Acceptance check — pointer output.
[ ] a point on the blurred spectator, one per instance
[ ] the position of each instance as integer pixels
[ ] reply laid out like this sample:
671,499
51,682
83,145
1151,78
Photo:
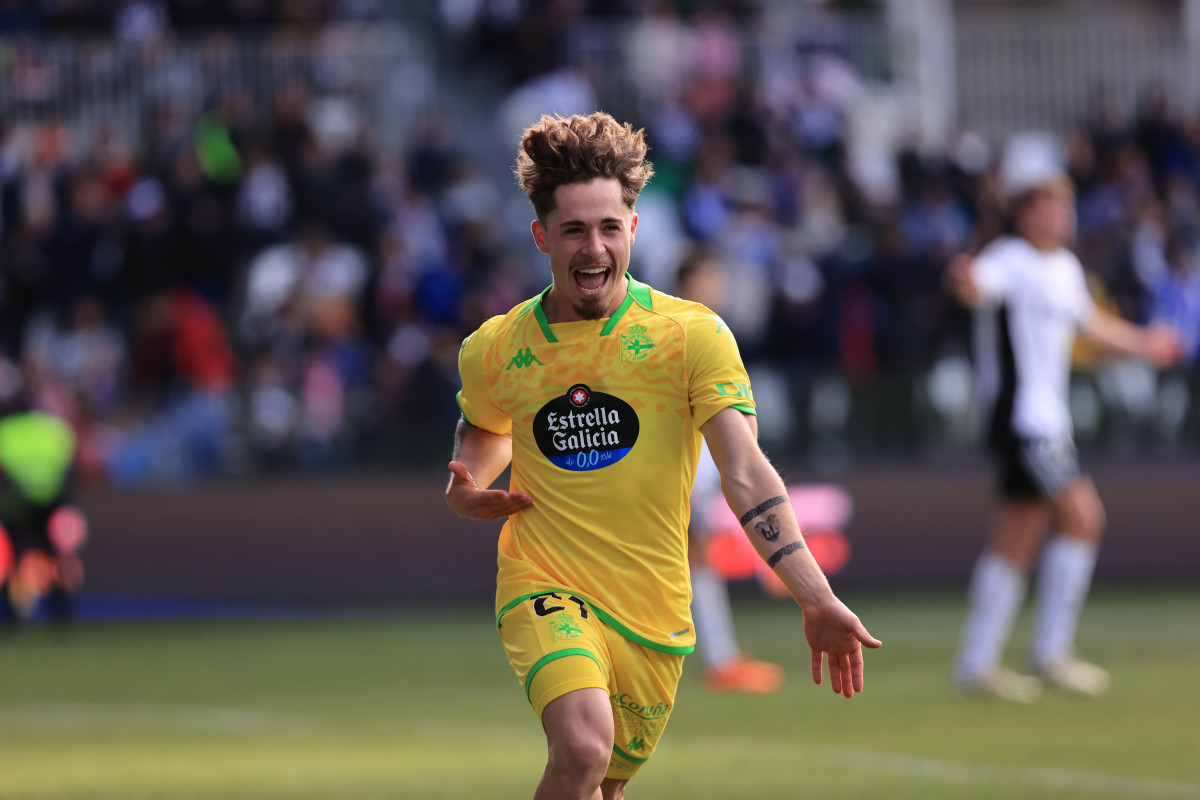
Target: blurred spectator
255,212
41,532
1175,295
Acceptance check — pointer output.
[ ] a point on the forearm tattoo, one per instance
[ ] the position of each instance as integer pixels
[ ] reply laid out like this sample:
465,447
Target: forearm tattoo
760,508
769,529
783,551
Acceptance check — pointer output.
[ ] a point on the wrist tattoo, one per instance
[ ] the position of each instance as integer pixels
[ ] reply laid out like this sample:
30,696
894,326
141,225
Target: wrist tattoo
783,551
761,507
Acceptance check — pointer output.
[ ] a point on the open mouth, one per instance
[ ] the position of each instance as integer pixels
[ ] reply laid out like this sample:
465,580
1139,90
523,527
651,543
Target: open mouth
591,280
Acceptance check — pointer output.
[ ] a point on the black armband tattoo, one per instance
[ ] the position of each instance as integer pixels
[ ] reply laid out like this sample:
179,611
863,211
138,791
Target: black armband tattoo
761,507
783,551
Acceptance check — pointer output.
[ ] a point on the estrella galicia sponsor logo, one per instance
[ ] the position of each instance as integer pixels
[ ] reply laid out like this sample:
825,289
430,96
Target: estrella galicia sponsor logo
524,358
645,712
584,430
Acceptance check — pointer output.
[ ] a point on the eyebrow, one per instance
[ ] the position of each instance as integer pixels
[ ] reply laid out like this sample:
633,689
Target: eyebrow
580,222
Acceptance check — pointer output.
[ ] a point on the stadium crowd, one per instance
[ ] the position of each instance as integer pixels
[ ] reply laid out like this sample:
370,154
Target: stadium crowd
236,289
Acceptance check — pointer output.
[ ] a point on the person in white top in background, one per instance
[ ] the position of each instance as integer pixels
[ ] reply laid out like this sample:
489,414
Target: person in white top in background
727,668
1030,299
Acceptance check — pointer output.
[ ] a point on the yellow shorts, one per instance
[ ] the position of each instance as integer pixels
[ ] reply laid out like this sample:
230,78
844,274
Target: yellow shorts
557,645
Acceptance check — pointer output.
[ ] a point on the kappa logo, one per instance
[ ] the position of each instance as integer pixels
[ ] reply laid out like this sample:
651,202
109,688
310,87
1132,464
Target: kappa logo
524,358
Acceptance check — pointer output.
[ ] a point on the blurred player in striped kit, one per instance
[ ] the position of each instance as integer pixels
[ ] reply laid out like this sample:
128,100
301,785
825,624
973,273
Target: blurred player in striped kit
1030,299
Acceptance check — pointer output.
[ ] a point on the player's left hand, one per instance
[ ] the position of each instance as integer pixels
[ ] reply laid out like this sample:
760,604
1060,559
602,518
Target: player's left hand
833,630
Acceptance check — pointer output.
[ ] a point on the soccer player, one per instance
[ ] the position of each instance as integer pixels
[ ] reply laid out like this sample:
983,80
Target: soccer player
597,391
1030,298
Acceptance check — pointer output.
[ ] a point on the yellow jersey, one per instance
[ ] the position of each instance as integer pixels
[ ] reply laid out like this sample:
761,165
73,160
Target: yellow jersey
605,418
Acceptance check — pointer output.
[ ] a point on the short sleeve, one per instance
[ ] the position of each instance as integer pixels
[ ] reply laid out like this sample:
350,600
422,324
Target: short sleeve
717,378
474,399
991,273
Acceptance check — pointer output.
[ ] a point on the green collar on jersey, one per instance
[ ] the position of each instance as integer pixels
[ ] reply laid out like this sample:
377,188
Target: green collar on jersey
637,291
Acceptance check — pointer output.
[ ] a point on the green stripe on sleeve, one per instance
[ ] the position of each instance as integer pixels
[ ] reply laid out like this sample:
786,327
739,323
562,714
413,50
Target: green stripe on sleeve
746,410
458,400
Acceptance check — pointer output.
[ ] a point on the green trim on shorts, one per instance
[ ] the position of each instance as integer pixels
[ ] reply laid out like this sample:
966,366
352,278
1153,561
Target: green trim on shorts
546,659
628,757
606,618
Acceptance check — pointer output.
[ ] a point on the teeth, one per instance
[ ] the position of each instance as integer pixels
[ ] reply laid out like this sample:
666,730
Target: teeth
594,270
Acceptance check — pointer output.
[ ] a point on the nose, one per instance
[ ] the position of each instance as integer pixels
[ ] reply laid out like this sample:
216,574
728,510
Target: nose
592,244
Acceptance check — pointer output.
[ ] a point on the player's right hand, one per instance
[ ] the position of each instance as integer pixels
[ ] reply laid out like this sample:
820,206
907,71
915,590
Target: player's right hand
1163,345
835,632
467,500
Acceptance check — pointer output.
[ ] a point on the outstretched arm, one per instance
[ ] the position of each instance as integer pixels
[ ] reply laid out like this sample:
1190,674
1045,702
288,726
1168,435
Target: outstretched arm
757,494
1159,344
479,458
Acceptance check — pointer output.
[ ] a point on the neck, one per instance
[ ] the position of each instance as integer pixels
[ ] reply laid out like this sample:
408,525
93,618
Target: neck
558,309
1043,244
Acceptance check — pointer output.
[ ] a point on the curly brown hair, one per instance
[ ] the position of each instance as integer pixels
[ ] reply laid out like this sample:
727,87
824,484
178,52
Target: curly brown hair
563,150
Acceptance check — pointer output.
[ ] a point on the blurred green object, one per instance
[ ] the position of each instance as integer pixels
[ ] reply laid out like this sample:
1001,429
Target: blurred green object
420,707
215,149
36,451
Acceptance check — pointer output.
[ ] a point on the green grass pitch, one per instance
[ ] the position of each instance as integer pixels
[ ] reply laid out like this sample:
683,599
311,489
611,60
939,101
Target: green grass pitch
424,707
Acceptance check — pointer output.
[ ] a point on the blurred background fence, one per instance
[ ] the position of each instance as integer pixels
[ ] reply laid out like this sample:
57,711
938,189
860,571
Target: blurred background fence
384,73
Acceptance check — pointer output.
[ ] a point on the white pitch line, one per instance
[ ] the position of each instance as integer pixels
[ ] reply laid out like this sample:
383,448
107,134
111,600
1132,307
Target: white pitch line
971,772
213,719
936,769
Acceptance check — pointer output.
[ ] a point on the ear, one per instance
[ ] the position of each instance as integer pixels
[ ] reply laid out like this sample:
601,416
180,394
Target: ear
539,235
633,227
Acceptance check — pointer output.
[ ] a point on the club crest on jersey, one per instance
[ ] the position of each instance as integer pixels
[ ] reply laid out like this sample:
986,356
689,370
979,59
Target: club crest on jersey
584,430
635,344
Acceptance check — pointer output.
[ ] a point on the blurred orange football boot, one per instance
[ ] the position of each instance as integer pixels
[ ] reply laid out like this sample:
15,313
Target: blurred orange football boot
745,675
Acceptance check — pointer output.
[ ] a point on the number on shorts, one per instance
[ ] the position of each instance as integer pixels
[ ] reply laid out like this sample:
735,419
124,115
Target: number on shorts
541,609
